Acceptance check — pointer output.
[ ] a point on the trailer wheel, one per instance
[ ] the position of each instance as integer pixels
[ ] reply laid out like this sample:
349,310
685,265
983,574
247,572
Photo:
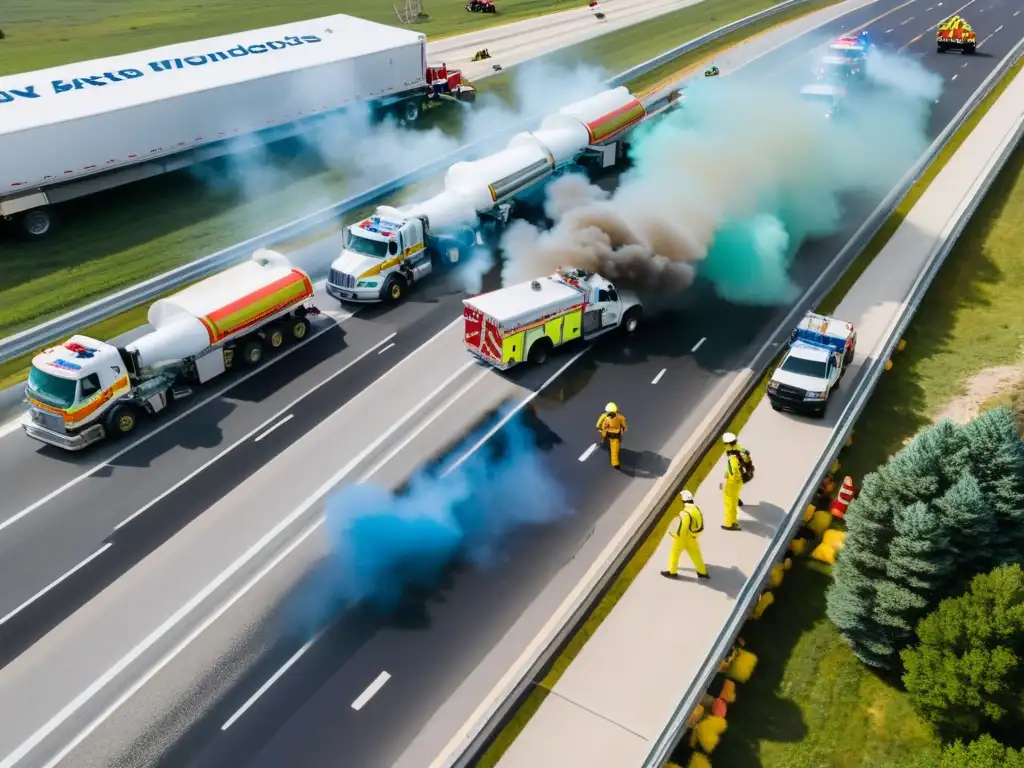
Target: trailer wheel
252,352
940,48
632,320
300,328
970,50
36,224
409,112
121,420
394,289
539,351
275,336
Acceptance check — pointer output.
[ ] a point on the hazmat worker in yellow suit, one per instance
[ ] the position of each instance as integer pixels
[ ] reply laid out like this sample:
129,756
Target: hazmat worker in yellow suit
733,482
612,426
684,531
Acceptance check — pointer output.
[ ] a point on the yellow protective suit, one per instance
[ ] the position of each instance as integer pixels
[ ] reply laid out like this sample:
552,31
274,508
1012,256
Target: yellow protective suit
684,531
612,427
731,489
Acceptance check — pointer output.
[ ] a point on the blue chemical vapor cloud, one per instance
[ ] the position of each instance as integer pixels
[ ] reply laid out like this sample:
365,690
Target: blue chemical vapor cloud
382,544
729,186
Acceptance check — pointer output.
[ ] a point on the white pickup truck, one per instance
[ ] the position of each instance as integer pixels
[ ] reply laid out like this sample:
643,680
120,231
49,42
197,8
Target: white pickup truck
820,350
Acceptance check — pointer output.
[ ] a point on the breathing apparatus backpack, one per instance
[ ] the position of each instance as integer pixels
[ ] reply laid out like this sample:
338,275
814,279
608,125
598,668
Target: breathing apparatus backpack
746,463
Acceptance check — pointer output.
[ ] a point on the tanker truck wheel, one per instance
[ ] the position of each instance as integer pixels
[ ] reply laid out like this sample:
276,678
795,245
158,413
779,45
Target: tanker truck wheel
300,328
539,351
275,336
252,352
409,112
121,420
394,289
36,224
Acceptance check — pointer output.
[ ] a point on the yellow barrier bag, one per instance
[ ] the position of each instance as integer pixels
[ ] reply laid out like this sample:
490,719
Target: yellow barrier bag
697,760
728,693
798,546
777,571
762,605
742,667
709,732
808,513
695,716
820,522
834,538
824,554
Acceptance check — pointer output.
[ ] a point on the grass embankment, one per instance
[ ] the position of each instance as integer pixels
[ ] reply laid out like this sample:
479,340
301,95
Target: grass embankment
48,33
811,704
113,240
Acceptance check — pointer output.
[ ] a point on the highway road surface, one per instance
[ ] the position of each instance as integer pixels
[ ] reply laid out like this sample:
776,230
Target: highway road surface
439,663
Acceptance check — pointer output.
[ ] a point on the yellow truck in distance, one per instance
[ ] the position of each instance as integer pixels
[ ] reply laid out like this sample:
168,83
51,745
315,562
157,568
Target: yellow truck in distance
955,34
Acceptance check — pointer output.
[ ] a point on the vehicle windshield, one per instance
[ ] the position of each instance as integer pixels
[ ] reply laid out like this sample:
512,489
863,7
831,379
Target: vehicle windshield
378,249
52,390
804,367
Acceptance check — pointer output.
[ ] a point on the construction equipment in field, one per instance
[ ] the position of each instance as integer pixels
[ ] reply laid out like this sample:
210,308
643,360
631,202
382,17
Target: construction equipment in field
481,6
411,13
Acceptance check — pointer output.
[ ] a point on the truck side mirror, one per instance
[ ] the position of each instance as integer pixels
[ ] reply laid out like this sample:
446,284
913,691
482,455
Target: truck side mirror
393,248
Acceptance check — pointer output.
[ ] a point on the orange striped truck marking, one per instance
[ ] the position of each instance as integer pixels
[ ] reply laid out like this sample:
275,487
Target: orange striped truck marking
82,411
258,305
615,122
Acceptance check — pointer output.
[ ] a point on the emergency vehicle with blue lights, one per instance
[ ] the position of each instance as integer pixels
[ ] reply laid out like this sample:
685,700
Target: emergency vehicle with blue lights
526,321
386,253
820,350
844,58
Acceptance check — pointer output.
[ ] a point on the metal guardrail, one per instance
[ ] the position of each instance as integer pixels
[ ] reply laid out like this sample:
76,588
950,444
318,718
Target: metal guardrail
59,327
663,746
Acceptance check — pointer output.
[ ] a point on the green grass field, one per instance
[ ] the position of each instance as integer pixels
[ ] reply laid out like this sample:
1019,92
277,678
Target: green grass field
811,704
115,239
47,33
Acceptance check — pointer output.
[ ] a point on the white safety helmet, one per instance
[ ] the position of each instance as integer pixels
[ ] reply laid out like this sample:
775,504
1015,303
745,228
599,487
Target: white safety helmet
686,496
611,408
728,438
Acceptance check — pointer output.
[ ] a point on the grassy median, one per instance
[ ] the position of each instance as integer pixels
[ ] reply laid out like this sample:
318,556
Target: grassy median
812,704
804,645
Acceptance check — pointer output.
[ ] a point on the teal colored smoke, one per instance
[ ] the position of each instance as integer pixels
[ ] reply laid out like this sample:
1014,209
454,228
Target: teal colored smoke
384,545
732,184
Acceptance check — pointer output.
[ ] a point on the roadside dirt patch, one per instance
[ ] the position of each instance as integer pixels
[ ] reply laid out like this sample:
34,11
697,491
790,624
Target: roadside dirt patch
981,388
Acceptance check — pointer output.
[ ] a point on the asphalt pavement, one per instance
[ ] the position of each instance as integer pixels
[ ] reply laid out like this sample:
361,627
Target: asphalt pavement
434,661
443,658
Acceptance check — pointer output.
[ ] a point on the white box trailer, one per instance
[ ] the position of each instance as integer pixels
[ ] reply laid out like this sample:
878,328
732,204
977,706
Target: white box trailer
81,128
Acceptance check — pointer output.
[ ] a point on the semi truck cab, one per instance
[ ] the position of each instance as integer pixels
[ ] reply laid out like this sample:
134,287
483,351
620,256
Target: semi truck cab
73,389
383,255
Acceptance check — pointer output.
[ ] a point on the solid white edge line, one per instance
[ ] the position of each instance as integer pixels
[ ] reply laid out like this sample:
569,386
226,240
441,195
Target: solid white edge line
203,467
55,582
657,378
389,346
699,343
436,415
166,425
178,616
10,427
371,691
511,414
273,679
586,454
281,423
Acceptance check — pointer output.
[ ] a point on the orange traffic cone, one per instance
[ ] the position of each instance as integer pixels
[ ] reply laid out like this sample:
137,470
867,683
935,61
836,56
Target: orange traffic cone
843,499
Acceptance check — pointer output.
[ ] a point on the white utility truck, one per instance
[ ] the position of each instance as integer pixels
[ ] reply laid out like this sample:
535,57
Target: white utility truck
524,322
82,128
85,390
820,350
383,255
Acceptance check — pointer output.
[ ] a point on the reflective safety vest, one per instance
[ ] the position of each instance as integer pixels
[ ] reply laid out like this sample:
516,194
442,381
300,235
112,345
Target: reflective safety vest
694,520
612,423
